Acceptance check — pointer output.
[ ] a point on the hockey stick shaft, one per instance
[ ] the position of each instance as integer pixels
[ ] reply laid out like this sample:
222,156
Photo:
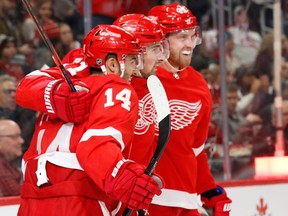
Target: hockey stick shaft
164,131
163,112
48,43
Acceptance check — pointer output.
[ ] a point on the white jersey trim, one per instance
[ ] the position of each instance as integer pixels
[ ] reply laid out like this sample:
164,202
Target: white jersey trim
109,131
38,73
62,159
104,208
198,150
176,198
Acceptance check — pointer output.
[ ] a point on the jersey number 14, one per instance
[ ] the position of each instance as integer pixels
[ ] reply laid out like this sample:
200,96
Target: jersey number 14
123,96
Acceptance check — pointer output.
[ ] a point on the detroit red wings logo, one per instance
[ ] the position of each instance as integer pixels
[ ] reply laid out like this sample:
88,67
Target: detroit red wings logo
182,114
146,115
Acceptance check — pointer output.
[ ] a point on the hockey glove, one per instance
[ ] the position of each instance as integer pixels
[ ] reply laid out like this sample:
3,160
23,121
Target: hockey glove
217,200
67,105
129,184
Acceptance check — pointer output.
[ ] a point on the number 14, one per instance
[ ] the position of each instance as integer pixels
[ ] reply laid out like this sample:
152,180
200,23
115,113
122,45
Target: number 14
123,96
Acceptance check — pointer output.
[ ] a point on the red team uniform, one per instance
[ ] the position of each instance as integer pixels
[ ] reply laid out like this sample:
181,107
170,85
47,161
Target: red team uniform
69,148
184,164
65,142
78,168
190,109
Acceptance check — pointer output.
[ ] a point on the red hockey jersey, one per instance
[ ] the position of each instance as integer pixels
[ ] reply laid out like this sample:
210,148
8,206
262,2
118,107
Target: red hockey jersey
183,165
66,163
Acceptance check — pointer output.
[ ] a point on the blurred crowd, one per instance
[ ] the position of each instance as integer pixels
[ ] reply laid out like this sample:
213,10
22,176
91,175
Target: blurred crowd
249,61
250,92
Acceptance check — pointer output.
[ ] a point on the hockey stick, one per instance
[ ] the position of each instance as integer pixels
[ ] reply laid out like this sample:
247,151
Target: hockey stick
48,43
164,122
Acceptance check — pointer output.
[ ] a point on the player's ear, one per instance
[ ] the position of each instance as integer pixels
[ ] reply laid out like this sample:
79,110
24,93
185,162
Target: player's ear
112,66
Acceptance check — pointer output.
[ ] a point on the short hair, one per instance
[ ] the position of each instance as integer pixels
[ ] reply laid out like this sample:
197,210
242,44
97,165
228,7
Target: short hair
6,77
94,70
232,87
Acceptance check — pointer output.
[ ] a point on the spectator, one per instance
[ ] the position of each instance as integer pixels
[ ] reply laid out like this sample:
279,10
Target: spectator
263,97
239,137
10,149
239,128
212,77
67,41
25,118
248,84
264,62
231,60
264,142
43,12
70,15
10,25
7,56
264,59
42,55
247,42
7,95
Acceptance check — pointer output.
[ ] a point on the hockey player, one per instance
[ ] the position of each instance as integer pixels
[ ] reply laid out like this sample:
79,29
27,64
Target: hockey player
78,168
183,165
151,40
154,50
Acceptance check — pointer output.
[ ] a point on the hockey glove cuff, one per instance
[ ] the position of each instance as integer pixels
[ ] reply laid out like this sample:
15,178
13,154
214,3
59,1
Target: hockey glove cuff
217,200
67,105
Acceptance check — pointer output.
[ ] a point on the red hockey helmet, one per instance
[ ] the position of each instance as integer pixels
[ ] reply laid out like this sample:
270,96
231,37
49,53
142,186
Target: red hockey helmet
104,39
145,28
173,17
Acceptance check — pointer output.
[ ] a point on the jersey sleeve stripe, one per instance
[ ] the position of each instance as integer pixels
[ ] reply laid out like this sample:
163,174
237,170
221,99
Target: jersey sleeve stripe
109,131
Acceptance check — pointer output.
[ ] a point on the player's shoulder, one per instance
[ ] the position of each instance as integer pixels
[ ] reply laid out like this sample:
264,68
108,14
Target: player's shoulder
194,71
46,72
197,76
100,83
104,79
115,81
72,55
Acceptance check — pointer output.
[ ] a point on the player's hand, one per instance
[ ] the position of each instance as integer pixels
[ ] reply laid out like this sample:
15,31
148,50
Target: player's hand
217,200
128,183
70,106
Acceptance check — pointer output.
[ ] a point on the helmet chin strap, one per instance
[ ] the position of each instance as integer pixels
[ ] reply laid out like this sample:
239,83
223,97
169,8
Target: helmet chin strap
122,68
103,68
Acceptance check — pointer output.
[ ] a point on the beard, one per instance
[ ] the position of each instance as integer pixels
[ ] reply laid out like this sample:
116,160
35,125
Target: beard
179,60
185,62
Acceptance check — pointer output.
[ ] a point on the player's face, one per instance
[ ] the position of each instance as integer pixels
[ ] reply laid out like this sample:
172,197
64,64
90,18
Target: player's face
181,44
153,56
131,62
